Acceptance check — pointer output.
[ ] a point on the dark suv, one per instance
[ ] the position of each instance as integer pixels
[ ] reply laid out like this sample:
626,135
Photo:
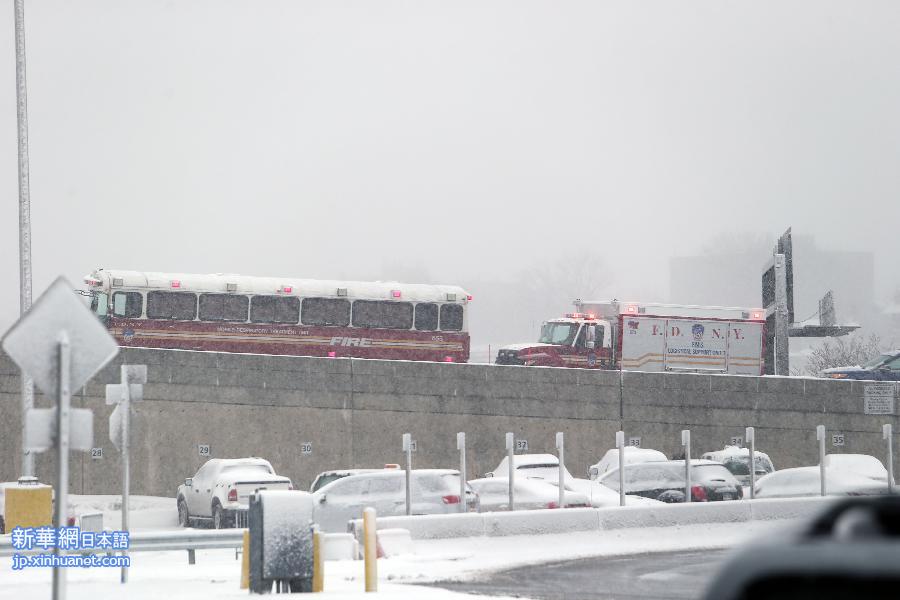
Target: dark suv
885,367
664,481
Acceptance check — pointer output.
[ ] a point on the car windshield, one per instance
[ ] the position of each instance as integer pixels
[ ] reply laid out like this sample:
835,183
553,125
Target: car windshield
261,469
558,333
325,480
878,360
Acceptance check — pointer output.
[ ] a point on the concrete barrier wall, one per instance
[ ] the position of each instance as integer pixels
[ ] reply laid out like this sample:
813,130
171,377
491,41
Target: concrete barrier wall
539,522
354,412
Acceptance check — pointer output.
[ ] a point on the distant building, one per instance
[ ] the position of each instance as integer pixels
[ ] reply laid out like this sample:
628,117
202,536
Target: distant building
733,278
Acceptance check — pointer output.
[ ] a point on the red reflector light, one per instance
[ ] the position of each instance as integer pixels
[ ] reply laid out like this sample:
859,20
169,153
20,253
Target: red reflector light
395,293
451,499
232,495
332,354
552,505
287,289
176,284
71,521
698,494
448,359
392,466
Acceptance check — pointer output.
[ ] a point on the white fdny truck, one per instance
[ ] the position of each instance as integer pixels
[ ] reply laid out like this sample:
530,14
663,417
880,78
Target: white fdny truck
639,336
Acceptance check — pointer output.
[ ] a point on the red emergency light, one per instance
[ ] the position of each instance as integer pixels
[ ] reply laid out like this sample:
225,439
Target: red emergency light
632,308
757,315
287,289
176,283
469,298
395,293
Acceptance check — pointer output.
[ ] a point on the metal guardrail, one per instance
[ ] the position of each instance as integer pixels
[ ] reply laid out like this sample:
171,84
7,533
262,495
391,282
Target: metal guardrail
146,541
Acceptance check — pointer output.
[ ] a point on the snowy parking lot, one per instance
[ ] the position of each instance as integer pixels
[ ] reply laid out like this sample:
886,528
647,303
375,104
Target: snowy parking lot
216,573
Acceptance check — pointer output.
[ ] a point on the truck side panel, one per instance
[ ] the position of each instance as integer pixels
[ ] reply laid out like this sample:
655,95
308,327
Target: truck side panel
643,344
745,348
696,345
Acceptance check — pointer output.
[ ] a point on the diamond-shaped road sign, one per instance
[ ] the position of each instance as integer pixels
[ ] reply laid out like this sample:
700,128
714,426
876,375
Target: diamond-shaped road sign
33,341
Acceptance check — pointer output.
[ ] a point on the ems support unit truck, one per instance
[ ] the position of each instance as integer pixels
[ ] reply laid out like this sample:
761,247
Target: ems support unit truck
635,336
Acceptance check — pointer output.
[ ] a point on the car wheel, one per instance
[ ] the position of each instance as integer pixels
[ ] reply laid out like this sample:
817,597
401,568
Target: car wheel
184,518
220,521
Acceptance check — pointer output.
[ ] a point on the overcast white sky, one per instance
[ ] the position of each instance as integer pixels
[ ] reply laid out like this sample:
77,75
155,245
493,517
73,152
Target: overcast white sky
460,140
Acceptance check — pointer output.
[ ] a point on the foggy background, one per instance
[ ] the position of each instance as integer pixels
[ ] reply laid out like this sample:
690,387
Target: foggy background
532,152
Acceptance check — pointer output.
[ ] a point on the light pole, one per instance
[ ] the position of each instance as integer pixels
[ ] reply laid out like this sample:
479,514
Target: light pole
24,216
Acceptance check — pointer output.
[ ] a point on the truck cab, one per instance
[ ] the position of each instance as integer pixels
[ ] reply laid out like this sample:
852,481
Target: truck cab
576,340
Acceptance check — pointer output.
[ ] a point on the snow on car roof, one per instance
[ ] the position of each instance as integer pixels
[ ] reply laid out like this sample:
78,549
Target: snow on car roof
729,451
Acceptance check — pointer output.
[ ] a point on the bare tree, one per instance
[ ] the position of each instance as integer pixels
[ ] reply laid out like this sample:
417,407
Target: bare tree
842,352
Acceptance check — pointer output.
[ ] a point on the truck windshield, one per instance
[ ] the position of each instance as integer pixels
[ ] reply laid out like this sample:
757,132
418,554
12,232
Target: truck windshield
558,333
877,361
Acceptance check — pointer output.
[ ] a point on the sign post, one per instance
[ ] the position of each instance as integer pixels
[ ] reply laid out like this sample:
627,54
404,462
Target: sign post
620,445
686,442
122,394
820,436
750,436
887,431
560,447
461,446
60,345
407,448
510,456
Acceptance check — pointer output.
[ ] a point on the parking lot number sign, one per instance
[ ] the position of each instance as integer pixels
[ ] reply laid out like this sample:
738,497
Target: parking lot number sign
306,448
412,445
737,441
635,441
96,453
522,445
837,439
203,449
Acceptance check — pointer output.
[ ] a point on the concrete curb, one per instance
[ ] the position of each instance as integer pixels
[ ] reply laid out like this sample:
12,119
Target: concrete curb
537,522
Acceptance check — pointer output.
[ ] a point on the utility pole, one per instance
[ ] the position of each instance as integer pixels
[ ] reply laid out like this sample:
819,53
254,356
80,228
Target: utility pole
24,215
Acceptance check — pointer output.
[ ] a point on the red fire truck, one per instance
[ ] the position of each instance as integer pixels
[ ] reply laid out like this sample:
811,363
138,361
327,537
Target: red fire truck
636,336
269,315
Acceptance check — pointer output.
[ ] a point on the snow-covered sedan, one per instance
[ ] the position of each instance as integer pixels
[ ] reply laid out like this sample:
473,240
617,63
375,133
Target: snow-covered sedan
546,467
530,494
219,493
805,481
433,491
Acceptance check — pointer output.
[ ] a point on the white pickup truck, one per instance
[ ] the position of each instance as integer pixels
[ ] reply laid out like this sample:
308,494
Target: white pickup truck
220,491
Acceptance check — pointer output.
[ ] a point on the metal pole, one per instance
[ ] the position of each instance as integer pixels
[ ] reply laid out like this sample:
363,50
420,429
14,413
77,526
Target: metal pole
24,215
782,326
561,447
620,444
407,444
750,436
510,457
461,446
820,436
62,444
686,442
887,431
126,480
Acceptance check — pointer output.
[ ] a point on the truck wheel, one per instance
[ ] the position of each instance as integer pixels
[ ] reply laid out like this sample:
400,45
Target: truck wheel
184,517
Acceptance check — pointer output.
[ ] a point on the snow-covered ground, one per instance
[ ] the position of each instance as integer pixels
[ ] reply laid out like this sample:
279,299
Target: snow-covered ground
217,572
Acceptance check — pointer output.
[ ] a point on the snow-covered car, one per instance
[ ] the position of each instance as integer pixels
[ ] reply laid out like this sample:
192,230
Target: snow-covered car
805,481
737,460
434,491
885,367
546,467
530,494
542,466
326,477
665,481
861,464
633,455
219,493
